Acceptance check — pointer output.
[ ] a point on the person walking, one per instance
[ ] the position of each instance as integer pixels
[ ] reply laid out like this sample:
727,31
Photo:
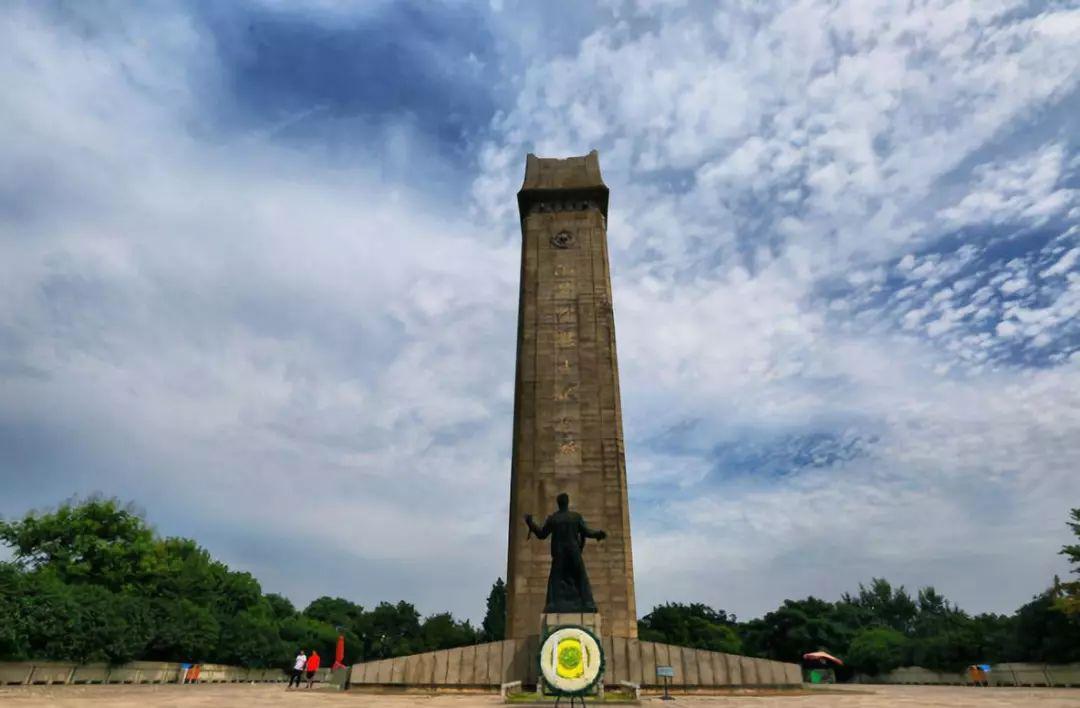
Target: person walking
312,667
298,670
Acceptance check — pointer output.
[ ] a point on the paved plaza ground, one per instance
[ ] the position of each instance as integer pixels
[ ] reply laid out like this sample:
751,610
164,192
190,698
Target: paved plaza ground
253,696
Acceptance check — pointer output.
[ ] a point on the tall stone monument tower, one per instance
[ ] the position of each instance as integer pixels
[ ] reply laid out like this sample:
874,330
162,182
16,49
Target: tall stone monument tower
568,433
568,438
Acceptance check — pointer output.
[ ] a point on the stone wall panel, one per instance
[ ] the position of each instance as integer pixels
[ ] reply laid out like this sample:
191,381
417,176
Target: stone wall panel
397,670
468,666
720,669
704,662
633,654
674,660
439,674
453,667
648,663
688,657
734,668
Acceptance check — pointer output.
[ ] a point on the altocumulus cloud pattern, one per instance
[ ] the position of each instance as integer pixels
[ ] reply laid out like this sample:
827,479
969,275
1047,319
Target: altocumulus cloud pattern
258,273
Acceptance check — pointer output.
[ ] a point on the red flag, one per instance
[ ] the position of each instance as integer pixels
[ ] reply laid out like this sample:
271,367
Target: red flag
339,653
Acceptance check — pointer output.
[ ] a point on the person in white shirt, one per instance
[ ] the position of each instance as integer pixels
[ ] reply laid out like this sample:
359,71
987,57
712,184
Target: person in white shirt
298,670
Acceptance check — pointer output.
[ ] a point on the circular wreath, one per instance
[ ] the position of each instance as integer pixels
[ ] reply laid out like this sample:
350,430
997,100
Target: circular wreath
571,660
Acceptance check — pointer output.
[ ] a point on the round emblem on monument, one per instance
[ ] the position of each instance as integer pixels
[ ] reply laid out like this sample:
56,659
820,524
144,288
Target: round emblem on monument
563,239
571,660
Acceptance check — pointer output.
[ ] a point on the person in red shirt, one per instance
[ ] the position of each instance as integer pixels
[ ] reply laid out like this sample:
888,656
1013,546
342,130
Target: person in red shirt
312,667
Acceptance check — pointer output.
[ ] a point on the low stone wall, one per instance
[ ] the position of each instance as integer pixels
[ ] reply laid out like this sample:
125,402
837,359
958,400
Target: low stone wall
1007,674
1016,674
627,660
477,665
916,675
53,672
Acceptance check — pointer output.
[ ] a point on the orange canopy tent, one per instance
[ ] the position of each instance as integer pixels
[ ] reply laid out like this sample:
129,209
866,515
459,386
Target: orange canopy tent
821,656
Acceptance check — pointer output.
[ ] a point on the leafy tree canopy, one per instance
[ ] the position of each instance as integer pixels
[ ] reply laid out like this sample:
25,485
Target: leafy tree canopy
878,650
886,606
801,626
693,625
1069,598
494,625
92,581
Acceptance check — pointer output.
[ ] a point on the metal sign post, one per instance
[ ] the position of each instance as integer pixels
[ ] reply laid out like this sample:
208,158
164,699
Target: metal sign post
667,673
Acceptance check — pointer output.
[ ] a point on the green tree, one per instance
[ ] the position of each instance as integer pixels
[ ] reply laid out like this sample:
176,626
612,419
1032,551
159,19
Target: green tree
798,627
13,639
693,625
302,632
442,631
993,636
98,541
335,611
943,635
178,568
392,630
250,638
885,606
98,584
877,650
494,624
280,607
1045,634
183,631
113,627
92,581
1069,599
81,622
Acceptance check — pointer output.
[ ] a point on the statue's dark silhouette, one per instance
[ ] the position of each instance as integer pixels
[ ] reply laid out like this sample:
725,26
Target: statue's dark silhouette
568,587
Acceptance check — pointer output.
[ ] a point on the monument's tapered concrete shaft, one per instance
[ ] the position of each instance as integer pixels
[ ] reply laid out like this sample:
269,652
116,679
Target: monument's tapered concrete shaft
567,416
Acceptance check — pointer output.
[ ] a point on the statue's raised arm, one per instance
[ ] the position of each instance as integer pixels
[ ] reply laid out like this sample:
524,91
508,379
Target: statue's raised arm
541,532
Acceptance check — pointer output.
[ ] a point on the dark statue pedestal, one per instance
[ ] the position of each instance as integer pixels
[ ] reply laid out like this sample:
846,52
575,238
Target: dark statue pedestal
589,620
550,621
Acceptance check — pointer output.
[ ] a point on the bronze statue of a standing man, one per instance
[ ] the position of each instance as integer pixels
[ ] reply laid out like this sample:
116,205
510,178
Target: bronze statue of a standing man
568,587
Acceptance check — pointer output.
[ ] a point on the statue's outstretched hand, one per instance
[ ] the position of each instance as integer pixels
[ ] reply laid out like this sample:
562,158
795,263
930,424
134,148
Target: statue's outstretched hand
601,535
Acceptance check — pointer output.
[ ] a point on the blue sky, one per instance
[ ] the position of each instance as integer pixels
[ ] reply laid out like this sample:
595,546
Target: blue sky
259,260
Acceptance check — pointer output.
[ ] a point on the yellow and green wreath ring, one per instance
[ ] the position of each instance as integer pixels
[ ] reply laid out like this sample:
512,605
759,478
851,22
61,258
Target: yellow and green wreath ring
571,660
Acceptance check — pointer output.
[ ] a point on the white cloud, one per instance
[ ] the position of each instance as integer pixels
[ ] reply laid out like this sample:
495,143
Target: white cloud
882,119
1064,265
1026,189
287,349
264,348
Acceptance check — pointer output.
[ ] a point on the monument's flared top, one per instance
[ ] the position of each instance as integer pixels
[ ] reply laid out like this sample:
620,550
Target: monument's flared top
570,178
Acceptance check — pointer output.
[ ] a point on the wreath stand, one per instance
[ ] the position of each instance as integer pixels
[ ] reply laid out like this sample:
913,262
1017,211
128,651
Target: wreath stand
587,621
